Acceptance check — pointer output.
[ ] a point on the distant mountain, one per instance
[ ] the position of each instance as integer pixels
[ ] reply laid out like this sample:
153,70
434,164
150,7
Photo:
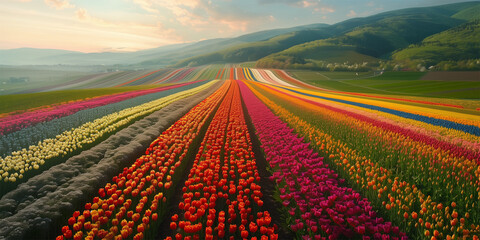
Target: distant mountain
427,35
34,56
29,56
162,56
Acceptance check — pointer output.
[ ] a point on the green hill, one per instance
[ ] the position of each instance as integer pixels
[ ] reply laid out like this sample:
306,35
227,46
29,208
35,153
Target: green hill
255,50
469,14
354,41
459,43
209,48
377,38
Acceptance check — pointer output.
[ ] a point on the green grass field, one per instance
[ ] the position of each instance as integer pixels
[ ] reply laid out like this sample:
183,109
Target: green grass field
391,83
9,103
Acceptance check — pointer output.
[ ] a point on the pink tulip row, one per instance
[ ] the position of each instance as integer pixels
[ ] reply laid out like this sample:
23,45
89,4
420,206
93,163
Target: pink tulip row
16,122
311,191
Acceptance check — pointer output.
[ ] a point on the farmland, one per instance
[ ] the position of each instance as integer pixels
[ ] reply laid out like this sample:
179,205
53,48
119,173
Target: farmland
229,151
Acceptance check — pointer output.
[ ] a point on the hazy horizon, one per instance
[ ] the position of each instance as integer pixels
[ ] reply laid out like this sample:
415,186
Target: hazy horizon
132,25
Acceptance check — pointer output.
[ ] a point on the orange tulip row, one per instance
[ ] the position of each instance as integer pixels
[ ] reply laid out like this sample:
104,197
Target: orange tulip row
222,198
127,207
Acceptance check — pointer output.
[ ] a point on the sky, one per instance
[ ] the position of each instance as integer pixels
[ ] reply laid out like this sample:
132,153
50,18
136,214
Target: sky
132,25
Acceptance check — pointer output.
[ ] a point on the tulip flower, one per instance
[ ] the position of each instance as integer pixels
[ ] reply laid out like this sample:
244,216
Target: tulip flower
224,177
137,210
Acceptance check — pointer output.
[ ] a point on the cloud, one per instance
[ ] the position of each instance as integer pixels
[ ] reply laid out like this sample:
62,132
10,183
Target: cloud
351,14
59,4
203,15
295,3
325,10
153,30
146,5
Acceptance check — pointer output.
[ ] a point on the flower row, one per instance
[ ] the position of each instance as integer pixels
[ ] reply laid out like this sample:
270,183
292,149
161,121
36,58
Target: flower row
309,189
19,163
386,183
221,197
23,138
16,122
127,207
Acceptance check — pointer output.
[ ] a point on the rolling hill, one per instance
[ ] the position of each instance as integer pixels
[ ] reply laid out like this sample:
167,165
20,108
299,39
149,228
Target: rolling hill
354,41
383,34
458,43
428,35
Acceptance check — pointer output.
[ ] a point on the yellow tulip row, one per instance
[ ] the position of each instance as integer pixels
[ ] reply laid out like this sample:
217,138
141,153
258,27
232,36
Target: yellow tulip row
445,134
15,166
468,119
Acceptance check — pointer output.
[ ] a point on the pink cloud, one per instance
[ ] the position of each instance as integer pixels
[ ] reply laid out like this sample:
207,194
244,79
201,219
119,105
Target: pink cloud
156,30
59,4
351,14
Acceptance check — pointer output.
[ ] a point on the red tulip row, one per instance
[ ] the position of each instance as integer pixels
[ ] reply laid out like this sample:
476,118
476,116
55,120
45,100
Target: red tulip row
222,198
126,207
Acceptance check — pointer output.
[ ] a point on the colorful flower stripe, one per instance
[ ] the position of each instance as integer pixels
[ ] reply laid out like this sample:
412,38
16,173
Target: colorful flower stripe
138,78
275,78
126,207
456,137
222,197
50,106
416,157
232,73
28,136
452,148
475,130
168,76
308,86
453,137
405,204
311,188
20,121
181,75
462,118
284,75
19,163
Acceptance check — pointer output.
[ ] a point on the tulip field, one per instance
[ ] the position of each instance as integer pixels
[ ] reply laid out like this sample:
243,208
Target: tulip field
225,152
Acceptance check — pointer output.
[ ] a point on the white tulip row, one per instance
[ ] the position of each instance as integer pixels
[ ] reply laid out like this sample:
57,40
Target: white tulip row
14,166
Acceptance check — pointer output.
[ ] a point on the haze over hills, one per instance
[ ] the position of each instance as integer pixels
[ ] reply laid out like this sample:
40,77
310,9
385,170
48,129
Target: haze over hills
427,35
162,56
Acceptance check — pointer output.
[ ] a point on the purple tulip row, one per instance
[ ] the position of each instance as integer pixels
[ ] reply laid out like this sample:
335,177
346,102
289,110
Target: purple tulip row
310,191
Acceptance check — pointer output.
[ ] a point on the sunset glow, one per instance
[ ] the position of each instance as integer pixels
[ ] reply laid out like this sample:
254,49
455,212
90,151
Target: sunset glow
129,25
